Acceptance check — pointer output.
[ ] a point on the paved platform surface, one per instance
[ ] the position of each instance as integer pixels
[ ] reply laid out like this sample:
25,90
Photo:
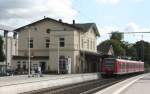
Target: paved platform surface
142,86
19,84
136,85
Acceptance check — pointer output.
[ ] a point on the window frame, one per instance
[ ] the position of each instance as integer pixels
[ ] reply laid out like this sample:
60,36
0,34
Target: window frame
47,43
30,43
61,42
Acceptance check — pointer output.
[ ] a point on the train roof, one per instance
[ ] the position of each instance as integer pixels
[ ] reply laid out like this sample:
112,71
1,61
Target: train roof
131,61
123,60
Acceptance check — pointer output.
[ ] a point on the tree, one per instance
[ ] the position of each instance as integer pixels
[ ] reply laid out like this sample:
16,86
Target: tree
130,51
118,50
116,36
143,50
2,56
115,41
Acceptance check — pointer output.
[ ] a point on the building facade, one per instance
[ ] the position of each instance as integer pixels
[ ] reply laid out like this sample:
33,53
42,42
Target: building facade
57,46
10,49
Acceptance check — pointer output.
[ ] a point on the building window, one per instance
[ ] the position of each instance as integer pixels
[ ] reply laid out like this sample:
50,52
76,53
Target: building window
62,42
48,31
31,43
18,65
91,44
47,43
35,29
82,43
88,42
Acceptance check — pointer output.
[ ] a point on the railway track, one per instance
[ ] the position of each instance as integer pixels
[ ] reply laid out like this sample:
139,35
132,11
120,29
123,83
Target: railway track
88,87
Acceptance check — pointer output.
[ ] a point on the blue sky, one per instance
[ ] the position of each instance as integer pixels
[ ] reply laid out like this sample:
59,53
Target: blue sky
125,14
119,14
109,15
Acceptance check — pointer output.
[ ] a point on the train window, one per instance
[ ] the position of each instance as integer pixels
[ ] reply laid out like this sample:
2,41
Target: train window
123,65
109,62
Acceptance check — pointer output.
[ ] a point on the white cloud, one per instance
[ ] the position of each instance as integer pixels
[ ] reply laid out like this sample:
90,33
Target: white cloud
133,37
24,11
133,27
112,2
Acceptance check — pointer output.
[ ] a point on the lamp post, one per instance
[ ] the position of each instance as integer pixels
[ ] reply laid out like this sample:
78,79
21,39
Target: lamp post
29,50
58,56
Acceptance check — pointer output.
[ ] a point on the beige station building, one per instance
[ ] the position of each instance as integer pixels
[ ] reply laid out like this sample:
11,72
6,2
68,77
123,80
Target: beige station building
57,47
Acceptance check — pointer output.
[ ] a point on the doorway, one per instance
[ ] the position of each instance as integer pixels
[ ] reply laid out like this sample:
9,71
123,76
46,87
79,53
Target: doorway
43,66
62,65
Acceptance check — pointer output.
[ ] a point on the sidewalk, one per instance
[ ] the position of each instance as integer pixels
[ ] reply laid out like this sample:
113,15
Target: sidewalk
134,85
19,84
142,86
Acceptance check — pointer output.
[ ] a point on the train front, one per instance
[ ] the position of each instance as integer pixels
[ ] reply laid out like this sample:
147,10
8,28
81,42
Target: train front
107,67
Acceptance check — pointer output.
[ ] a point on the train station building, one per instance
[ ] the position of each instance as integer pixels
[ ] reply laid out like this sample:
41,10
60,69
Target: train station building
57,47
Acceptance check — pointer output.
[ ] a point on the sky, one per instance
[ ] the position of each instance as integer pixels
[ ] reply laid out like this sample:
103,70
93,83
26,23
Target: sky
109,15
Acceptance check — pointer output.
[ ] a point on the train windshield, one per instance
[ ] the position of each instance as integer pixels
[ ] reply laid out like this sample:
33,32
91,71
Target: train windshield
109,63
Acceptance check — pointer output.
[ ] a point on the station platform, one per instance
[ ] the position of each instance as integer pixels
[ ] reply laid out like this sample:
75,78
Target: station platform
136,85
23,83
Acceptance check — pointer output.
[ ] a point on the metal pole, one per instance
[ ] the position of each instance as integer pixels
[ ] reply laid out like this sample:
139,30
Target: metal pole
6,39
58,56
142,48
29,55
49,51
6,51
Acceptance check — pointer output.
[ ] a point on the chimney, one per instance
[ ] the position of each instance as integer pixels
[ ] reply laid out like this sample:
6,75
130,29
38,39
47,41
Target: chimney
60,20
73,21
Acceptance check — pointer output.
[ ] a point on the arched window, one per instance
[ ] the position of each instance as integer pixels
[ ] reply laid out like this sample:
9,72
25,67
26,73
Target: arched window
62,64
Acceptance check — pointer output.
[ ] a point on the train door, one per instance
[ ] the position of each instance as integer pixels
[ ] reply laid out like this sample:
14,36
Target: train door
127,67
116,67
120,64
122,67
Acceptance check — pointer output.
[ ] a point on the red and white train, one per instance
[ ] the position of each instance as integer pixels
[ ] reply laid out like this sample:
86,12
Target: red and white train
112,66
